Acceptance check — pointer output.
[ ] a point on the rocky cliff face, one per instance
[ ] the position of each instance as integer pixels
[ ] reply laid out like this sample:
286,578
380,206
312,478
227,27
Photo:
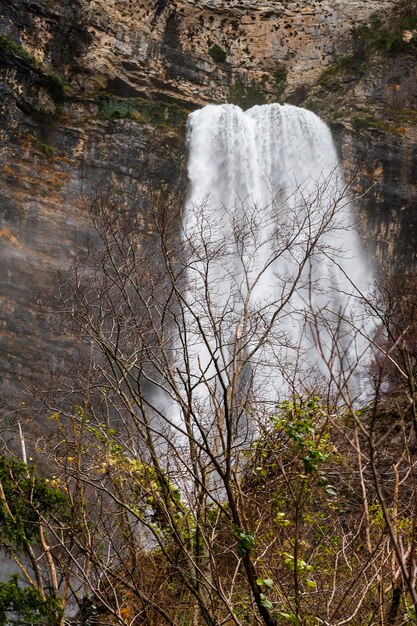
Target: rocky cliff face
96,92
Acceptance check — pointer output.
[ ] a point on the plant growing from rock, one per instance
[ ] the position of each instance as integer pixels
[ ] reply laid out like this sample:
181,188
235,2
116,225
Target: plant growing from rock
217,53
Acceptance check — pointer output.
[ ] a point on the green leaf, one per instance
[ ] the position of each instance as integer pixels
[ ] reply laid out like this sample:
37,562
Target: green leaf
282,520
28,497
265,582
290,564
265,602
290,617
28,604
311,583
246,541
309,467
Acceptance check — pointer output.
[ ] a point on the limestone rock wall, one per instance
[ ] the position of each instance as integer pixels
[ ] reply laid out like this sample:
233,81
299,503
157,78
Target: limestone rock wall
163,47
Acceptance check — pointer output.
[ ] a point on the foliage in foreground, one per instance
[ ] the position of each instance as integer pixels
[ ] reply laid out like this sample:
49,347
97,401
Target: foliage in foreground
27,605
28,506
155,551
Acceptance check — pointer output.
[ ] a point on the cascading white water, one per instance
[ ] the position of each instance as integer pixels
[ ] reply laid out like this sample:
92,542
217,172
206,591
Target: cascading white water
275,267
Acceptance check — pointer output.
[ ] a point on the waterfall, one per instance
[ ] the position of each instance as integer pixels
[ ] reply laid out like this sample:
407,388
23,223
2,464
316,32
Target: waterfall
275,268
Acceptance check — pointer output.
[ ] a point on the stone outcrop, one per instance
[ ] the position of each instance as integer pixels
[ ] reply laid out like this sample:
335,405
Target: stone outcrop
96,93
142,47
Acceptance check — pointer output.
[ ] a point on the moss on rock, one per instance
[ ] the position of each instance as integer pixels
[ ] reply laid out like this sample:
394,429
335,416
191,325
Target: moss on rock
143,111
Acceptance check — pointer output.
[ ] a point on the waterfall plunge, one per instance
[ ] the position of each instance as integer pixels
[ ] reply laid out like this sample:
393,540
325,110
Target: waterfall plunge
274,267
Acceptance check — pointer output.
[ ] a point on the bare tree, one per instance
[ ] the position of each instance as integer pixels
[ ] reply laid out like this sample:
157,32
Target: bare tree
209,440
184,348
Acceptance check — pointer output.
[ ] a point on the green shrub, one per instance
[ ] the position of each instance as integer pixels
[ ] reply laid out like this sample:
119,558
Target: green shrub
312,105
217,53
336,114
363,122
143,111
28,604
409,22
280,79
72,37
246,96
26,496
344,67
387,36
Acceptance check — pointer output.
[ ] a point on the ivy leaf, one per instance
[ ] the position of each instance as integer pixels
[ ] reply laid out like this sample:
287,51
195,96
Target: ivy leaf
246,541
